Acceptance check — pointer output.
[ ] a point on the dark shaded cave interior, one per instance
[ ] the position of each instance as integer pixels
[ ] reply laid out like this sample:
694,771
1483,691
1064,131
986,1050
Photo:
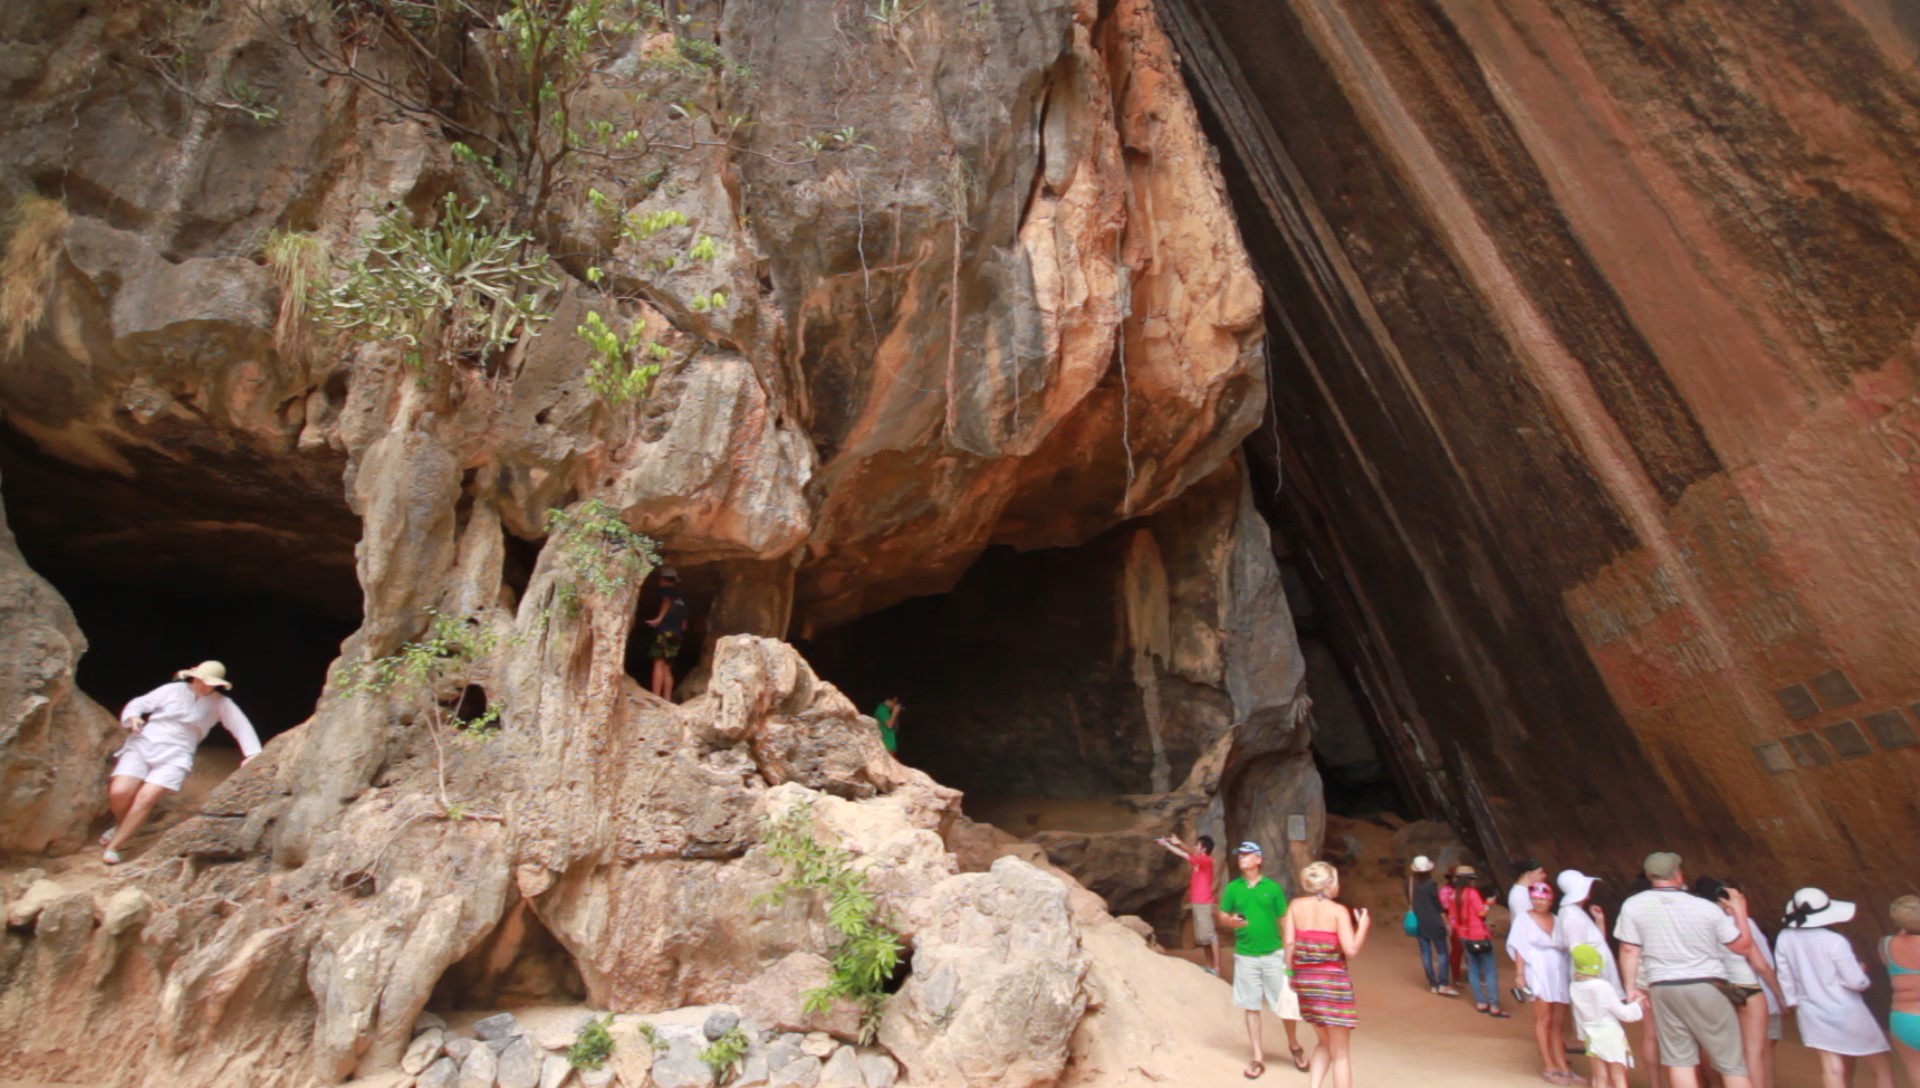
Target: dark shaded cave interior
162,575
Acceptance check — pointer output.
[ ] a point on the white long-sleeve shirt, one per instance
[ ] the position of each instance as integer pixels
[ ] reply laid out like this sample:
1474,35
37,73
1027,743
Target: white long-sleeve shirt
1577,927
176,716
1822,979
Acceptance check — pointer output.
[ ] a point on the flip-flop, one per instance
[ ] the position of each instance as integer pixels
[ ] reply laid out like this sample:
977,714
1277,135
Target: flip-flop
1252,1072
111,857
1299,1058
1498,1015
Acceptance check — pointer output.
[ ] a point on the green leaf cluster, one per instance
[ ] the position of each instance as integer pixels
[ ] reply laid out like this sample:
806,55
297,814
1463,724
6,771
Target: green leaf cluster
726,1053
868,950
592,1044
453,288
623,367
599,550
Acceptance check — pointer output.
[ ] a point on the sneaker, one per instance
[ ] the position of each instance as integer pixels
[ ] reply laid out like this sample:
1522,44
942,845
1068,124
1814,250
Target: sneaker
1213,971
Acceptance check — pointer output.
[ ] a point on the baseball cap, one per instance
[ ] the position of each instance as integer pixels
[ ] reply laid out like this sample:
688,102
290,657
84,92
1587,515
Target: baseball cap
1249,848
1661,865
1587,961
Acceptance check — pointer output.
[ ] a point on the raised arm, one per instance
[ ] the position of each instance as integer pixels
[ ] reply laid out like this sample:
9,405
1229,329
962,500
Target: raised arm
1171,843
237,724
1353,931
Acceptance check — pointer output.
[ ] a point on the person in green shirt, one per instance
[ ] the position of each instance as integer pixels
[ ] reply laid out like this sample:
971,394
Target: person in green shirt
1252,907
888,715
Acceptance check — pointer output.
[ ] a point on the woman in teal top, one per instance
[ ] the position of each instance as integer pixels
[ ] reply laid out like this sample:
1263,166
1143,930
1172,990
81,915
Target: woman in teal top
1903,1023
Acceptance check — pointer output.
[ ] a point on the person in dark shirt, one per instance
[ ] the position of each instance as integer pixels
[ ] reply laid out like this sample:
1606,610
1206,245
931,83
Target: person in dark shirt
669,628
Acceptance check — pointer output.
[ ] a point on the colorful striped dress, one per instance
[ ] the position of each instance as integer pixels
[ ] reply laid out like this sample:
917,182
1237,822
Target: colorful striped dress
1321,982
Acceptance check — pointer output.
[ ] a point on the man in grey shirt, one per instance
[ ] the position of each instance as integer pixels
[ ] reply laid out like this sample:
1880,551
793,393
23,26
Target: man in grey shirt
1670,942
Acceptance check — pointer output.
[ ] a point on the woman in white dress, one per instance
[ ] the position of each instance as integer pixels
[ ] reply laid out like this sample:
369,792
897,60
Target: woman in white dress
1543,968
1581,922
1822,980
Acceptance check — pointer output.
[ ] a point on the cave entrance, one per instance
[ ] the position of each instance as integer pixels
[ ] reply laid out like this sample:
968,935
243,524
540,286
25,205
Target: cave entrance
1014,684
177,564
519,965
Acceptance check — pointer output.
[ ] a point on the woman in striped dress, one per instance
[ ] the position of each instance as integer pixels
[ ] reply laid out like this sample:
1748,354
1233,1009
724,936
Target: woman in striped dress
1321,935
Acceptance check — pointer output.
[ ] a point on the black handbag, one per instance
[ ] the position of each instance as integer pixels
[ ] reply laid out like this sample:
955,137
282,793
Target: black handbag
1478,947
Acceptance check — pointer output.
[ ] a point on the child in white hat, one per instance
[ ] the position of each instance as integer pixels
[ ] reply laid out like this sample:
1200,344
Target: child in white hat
1599,1012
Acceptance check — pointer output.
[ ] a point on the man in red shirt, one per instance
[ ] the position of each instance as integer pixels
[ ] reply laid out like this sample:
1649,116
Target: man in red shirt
1200,897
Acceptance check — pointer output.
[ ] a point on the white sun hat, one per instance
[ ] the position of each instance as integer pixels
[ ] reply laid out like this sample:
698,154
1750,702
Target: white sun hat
1575,885
207,672
1423,864
1811,908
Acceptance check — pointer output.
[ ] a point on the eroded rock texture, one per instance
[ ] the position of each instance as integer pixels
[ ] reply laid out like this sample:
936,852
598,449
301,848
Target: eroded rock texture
1598,396
1007,305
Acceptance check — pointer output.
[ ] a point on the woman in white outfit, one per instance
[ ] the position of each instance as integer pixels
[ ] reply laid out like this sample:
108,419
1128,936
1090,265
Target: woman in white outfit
1822,980
1581,922
168,724
1544,969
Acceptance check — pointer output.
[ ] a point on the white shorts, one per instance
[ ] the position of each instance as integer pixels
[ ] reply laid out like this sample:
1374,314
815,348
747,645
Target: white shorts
161,764
1264,978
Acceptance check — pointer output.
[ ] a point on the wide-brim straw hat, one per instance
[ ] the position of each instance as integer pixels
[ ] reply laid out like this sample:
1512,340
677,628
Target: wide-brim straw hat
207,672
1811,908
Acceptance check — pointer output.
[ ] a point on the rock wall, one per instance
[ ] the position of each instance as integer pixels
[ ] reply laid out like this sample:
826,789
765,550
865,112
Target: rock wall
1007,304
1596,397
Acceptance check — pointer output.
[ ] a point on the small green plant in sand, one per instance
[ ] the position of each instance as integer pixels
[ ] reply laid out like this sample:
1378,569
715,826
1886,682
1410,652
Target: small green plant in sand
868,950
592,1044
36,232
726,1053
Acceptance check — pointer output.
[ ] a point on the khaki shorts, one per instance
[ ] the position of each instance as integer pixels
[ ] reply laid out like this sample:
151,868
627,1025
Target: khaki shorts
1693,1017
1264,978
1203,923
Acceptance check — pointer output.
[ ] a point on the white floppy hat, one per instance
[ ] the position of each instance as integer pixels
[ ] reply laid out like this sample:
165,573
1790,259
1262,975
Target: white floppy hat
1811,908
207,672
1575,885
1423,864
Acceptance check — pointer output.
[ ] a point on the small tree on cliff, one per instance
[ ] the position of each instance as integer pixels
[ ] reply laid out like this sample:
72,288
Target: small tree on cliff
430,679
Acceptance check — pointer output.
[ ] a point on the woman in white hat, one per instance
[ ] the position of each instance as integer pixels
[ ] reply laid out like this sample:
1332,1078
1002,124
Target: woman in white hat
1822,980
168,724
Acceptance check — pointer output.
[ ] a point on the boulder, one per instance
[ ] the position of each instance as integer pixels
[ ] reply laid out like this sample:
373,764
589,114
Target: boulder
718,1023
442,1073
553,1029
480,1069
555,1071
778,997
996,985
425,1049
681,1065
429,1021
519,1065
842,1070
818,1044
499,1026
802,1072
878,1070
459,1046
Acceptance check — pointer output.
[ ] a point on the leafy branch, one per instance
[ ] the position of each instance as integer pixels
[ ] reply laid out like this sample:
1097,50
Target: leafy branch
419,674
868,950
600,550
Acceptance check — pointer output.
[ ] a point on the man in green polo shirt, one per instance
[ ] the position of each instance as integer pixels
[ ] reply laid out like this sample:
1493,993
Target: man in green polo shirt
1252,907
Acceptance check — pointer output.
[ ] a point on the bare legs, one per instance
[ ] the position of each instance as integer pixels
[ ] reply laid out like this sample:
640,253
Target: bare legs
1549,1034
1333,1053
1253,1036
1650,1046
1754,1042
1909,1058
663,678
131,800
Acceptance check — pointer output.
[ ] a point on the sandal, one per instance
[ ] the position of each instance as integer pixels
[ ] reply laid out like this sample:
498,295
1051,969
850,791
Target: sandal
1498,1015
111,857
106,837
1299,1058
1448,991
1252,1072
